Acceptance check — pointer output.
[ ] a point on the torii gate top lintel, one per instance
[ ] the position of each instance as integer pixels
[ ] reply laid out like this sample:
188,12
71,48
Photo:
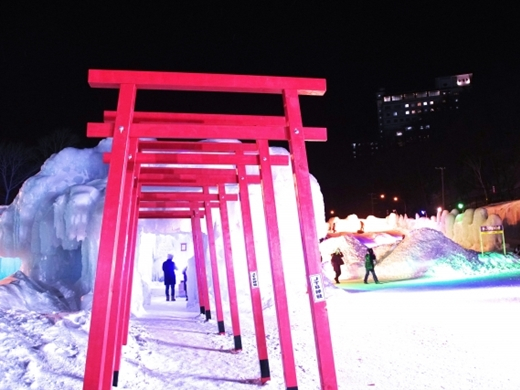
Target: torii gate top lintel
205,82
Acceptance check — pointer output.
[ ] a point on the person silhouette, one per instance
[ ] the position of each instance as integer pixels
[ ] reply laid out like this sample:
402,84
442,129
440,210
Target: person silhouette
169,268
337,261
370,262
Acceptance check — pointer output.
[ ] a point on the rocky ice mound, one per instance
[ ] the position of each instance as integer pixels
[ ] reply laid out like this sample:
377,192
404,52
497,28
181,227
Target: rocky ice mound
19,292
424,252
421,252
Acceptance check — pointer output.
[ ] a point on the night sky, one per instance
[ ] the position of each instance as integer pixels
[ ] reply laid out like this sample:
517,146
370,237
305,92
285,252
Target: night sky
46,51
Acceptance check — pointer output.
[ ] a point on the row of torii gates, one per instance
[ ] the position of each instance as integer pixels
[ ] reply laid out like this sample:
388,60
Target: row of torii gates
138,166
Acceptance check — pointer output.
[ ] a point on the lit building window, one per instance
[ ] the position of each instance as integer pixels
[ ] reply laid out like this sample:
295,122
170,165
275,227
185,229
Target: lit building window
399,133
425,103
395,113
407,105
419,104
431,103
413,111
407,112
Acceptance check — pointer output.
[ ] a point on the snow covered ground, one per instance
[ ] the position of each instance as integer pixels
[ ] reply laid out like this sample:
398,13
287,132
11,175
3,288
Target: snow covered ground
419,334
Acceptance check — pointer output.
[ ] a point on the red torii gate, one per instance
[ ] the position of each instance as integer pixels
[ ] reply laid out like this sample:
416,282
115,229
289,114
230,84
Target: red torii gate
117,244
196,176
238,175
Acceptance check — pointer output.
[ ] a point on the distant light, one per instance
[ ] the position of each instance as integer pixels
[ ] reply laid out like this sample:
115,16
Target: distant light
439,209
382,196
460,206
423,212
332,212
396,198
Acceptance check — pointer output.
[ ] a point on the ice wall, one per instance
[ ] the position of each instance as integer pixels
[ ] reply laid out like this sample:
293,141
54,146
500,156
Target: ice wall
54,225
462,228
49,223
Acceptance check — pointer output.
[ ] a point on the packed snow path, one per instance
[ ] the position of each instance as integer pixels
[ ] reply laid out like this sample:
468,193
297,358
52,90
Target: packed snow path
409,337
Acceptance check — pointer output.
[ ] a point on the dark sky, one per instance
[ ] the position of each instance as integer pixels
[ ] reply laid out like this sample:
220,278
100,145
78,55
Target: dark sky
46,51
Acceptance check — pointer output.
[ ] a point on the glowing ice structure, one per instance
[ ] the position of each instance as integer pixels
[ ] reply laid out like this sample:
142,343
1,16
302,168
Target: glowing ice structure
462,228
53,227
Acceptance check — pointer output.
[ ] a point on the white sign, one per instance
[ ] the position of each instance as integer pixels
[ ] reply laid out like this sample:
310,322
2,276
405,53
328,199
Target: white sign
254,279
317,288
492,229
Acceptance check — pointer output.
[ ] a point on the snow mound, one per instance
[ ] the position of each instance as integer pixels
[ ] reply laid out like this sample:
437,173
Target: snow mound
19,292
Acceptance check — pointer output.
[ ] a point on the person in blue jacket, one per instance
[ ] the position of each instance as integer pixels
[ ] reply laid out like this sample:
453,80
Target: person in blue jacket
370,262
169,268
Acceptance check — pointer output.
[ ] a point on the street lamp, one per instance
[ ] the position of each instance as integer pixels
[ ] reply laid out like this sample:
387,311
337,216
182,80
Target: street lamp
442,183
396,199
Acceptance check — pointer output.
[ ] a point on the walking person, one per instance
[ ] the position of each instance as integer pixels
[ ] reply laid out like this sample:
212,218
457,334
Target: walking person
370,262
169,268
185,274
337,262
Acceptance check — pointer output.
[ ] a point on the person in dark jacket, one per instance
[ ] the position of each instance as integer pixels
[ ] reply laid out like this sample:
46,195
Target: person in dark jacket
337,261
185,274
370,262
169,268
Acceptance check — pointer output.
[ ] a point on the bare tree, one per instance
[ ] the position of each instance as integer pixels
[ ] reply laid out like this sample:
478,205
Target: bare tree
55,141
475,165
16,165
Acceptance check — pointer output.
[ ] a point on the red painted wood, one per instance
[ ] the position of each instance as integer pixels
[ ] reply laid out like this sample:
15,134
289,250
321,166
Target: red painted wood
207,119
182,196
199,158
174,181
181,131
98,367
213,260
173,204
204,82
304,203
254,283
130,254
188,179
230,272
277,272
200,263
186,146
189,172
165,214
115,331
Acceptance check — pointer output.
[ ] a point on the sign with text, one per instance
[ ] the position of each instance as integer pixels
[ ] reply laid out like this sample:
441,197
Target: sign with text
317,288
492,229
254,280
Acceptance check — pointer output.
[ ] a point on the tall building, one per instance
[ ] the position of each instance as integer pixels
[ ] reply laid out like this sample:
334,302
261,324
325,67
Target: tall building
410,117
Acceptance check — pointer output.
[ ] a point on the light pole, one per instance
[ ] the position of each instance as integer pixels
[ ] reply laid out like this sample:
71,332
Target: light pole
372,195
442,183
